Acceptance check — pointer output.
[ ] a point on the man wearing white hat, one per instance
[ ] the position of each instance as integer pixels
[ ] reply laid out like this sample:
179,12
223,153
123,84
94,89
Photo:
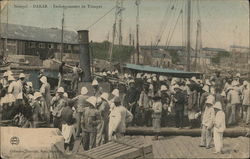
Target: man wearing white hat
37,109
45,90
219,127
233,98
97,88
80,104
207,123
246,102
165,100
179,102
119,117
90,120
131,98
14,88
75,77
145,105
203,97
102,128
4,80
59,103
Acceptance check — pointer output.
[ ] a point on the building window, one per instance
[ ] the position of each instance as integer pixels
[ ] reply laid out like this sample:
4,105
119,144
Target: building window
51,46
69,47
32,45
41,45
76,48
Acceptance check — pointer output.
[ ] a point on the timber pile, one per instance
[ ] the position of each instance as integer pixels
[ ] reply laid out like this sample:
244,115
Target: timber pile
125,148
170,131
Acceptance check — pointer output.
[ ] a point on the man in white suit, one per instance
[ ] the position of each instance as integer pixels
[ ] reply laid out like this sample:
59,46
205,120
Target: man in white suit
219,127
119,117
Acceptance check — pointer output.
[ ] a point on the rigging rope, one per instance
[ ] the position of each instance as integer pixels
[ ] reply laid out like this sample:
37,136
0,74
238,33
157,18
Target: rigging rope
101,18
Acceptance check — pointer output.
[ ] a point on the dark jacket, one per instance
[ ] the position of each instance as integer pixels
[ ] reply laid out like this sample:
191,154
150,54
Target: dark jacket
67,116
180,100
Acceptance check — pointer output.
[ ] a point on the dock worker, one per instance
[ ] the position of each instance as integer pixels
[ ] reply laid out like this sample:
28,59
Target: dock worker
145,105
102,128
132,96
97,88
165,100
75,77
80,104
207,123
246,102
4,80
119,118
68,128
37,114
234,101
59,103
179,102
219,127
192,104
89,122
60,74
45,91
157,110
14,88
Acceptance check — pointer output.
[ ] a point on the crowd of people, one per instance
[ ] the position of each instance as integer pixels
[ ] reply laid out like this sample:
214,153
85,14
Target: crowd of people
97,115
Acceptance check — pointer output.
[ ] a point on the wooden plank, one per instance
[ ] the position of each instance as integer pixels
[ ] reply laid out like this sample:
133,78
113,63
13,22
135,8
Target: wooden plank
130,153
116,152
109,150
147,156
103,147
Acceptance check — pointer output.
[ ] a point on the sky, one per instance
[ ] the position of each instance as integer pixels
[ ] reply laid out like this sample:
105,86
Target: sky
223,22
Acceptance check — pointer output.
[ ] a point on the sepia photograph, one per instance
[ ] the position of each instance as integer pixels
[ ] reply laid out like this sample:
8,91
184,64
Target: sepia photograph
124,79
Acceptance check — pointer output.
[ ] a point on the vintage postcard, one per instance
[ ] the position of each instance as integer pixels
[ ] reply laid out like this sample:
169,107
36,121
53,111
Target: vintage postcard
124,79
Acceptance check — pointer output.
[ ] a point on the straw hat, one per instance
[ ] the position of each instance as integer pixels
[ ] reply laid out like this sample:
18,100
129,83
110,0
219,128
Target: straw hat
105,96
238,75
60,90
149,81
92,100
11,78
37,95
131,81
176,87
206,88
43,79
208,82
22,75
138,75
94,83
163,88
210,100
5,74
30,84
65,94
234,83
115,92
84,90
218,105
104,74
161,78
245,83
154,78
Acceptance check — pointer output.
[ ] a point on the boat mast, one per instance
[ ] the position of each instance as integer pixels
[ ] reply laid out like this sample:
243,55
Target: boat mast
62,31
188,34
137,3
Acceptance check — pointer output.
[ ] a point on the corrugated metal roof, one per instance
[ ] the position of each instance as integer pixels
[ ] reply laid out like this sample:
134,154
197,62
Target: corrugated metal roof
29,33
158,70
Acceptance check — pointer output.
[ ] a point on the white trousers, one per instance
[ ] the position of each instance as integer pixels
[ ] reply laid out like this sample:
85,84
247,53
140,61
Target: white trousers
218,141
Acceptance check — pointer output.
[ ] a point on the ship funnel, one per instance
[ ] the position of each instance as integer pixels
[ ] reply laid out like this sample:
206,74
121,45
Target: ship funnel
83,39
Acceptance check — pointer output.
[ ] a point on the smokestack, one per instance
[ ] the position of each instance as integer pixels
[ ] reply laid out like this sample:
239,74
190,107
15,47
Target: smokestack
83,39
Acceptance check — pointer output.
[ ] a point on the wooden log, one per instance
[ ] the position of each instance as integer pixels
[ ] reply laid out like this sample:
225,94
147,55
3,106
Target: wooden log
229,132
